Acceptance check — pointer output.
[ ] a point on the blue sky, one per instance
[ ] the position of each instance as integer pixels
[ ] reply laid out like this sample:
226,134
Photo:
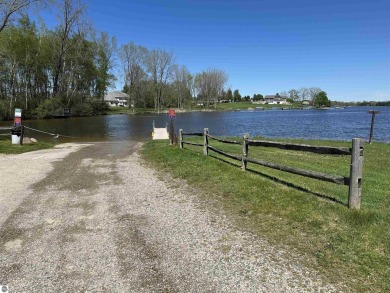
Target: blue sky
268,46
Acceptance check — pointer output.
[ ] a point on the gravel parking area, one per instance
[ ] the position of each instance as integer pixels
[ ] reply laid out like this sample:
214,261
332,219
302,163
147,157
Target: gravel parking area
94,218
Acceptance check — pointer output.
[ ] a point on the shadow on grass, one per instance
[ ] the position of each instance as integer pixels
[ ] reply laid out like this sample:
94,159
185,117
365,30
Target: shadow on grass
289,184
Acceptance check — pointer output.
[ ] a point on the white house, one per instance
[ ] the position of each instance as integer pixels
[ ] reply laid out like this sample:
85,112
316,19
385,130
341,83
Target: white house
273,100
117,99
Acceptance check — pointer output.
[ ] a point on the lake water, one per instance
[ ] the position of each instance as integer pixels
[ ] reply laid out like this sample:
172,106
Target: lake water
335,124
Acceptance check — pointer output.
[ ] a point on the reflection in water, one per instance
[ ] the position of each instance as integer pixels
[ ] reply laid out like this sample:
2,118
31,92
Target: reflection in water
316,124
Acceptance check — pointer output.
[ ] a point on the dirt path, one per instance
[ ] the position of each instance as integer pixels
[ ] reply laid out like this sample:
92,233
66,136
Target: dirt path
93,218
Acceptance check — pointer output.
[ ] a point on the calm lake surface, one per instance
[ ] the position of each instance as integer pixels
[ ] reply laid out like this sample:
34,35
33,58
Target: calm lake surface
334,124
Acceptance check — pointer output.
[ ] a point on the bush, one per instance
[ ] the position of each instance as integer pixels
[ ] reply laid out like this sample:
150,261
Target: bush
99,107
48,108
82,109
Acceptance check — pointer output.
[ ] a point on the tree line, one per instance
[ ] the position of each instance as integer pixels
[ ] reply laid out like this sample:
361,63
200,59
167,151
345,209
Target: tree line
71,66
44,70
154,80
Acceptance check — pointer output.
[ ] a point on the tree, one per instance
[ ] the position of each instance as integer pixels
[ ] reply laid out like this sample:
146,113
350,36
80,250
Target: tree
236,96
304,94
293,94
257,97
181,84
134,62
209,86
159,65
106,47
321,100
70,13
229,95
8,8
313,91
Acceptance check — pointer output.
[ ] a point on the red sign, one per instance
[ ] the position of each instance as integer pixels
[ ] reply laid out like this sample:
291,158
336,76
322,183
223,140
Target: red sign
17,121
171,113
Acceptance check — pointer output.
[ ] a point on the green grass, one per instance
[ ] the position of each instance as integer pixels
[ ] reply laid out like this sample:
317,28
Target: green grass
7,148
346,246
220,107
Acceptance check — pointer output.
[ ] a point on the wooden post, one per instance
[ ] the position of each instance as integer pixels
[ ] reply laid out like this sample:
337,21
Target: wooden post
181,138
205,141
372,124
171,132
245,150
356,172
21,134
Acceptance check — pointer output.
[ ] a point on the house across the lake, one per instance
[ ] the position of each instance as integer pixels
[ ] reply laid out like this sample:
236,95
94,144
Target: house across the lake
273,100
117,99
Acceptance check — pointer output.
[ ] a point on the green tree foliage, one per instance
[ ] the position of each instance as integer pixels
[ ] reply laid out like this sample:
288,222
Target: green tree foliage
321,100
236,96
257,97
229,95
42,73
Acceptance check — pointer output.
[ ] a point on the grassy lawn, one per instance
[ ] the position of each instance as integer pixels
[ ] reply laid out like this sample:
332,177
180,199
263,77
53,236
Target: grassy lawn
7,148
220,107
308,216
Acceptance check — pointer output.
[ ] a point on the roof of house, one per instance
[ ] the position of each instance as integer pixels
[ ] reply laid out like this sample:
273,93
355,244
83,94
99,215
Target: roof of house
268,97
115,96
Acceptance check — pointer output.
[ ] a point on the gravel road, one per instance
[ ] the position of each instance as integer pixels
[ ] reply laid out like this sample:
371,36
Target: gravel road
94,218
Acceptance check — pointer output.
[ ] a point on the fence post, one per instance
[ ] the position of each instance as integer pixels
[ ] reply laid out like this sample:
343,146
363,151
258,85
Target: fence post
21,134
205,141
181,138
245,150
356,172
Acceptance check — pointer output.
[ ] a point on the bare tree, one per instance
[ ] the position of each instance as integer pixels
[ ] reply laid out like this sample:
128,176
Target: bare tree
181,84
293,94
70,17
133,58
8,8
159,65
209,85
284,94
313,92
304,93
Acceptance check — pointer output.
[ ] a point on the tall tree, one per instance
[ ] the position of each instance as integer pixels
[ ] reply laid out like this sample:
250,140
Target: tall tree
293,94
321,100
70,13
229,95
9,8
181,84
106,49
209,85
159,65
236,95
134,62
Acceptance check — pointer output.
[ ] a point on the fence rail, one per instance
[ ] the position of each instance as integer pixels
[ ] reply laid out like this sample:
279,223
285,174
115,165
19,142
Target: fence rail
223,140
354,180
301,147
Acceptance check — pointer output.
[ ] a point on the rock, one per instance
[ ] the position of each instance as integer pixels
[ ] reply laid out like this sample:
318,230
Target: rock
26,140
33,140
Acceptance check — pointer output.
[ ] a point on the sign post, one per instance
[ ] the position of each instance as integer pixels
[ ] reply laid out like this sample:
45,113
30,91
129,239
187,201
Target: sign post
373,113
17,131
171,115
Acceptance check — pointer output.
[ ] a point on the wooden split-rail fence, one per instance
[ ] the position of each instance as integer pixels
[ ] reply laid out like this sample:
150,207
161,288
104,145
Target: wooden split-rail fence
354,181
